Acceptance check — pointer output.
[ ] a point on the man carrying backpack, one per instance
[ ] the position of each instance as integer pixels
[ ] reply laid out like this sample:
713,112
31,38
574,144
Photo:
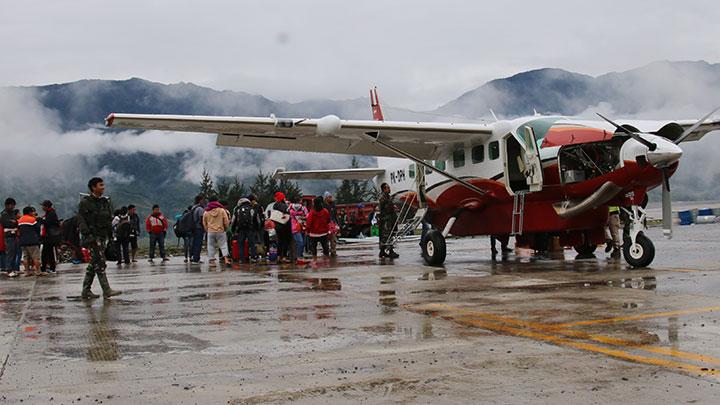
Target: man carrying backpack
156,225
245,223
183,230
198,232
123,232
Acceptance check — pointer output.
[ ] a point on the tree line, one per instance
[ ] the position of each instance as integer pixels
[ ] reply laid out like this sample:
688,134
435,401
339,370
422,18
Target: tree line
264,187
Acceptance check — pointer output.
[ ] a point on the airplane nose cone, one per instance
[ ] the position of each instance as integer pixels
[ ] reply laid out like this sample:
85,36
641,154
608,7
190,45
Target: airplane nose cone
664,155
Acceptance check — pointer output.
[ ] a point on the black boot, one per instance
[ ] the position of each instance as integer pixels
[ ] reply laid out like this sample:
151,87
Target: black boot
383,253
87,283
107,291
608,245
391,254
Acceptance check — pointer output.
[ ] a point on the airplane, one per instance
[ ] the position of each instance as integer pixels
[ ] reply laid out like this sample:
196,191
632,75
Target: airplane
531,177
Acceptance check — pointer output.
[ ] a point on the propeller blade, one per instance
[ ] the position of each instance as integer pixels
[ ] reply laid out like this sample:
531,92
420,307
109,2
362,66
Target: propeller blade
666,206
632,134
688,131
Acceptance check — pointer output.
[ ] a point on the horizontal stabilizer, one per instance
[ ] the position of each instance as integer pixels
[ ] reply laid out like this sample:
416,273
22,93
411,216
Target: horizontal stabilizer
332,174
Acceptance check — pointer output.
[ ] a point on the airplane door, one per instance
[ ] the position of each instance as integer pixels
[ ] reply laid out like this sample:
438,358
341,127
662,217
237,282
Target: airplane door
523,167
533,164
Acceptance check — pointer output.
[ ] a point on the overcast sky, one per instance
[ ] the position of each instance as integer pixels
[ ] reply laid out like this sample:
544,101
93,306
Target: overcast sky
421,53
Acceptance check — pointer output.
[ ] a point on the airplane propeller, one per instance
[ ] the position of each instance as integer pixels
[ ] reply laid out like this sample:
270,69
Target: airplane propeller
666,205
695,126
634,135
666,195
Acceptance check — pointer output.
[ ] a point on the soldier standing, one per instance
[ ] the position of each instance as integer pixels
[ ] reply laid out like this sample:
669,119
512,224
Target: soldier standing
94,219
388,218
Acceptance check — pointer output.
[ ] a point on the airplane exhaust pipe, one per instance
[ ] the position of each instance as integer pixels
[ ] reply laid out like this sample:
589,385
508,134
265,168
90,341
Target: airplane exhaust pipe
568,209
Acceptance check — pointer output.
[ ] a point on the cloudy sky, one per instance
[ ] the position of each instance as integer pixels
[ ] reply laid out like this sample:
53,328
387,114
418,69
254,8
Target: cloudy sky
421,53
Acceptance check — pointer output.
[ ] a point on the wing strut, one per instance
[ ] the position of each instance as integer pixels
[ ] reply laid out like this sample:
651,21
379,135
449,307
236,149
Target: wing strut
375,136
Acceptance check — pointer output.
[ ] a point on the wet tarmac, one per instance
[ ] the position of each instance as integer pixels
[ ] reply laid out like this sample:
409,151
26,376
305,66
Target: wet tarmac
525,330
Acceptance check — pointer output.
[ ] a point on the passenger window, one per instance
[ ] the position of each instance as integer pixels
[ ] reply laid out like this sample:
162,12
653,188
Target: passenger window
478,153
458,157
494,150
411,171
440,164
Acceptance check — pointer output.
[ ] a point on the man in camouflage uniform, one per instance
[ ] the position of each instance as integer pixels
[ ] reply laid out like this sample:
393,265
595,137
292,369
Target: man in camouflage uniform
388,217
94,220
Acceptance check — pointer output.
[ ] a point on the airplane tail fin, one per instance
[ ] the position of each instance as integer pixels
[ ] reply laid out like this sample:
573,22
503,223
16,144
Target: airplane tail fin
375,105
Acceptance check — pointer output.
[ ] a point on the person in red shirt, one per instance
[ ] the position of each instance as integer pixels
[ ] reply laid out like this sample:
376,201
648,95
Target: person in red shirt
318,227
156,225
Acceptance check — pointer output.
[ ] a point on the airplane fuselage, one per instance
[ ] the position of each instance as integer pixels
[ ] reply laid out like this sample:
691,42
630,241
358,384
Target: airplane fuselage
575,158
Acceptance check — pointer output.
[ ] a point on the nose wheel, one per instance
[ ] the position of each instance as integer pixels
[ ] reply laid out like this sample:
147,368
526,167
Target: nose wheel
434,248
639,253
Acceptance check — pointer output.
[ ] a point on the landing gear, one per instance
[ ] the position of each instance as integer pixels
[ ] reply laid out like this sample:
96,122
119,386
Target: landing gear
638,249
639,253
585,249
434,248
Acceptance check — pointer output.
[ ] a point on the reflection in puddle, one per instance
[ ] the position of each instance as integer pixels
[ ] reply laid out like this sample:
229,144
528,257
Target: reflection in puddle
102,337
314,283
388,301
387,280
434,275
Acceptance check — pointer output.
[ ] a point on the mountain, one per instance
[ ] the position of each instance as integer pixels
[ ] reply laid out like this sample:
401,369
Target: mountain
651,91
86,103
53,137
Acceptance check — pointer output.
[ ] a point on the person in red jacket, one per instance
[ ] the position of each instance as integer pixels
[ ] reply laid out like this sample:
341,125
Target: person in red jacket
318,227
156,225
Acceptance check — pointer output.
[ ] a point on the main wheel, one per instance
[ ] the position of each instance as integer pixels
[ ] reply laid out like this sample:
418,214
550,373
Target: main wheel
434,248
641,253
586,249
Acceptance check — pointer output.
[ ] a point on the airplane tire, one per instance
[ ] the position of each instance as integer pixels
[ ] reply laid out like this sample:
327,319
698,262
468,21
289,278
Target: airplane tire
586,249
640,254
434,248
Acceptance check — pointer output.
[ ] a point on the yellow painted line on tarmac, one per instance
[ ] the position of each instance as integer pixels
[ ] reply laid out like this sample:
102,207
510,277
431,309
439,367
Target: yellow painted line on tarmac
573,334
689,311
620,354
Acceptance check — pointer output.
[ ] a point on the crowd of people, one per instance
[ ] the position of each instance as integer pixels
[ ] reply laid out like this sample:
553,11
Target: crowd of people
284,232
29,239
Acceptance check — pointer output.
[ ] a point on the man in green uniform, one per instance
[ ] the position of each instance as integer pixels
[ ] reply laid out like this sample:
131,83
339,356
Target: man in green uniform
388,217
94,219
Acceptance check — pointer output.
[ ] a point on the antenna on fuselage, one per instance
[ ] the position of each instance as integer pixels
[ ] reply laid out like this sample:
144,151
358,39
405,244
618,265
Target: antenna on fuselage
494,116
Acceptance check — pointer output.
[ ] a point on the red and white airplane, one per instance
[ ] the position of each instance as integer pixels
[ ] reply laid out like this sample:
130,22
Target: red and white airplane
531,177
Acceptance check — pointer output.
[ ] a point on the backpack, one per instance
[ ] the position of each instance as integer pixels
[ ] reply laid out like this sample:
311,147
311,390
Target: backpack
244,217
124,229
185,225
111,253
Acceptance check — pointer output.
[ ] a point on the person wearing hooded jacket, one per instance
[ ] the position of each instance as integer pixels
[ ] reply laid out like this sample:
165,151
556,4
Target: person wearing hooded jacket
318,227
245,223
215,221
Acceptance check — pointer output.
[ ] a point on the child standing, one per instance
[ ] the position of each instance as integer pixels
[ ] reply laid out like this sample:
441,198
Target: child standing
29,230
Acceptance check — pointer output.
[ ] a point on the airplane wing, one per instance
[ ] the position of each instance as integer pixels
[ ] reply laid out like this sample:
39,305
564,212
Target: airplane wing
329,134
335,174
700,131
